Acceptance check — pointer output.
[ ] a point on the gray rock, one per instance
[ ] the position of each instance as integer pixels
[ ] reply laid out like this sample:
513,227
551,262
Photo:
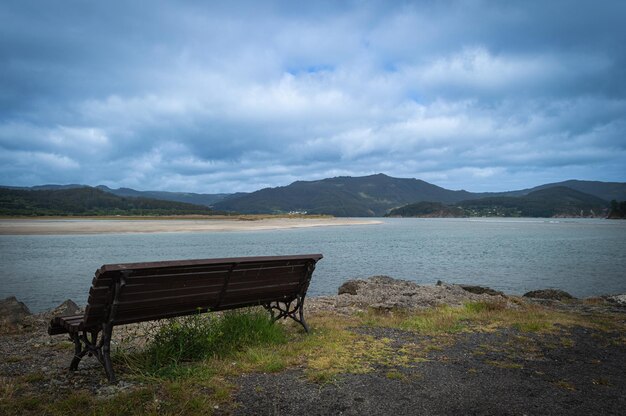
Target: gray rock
479,290
618,299
12,311
551,294
350,287
66,308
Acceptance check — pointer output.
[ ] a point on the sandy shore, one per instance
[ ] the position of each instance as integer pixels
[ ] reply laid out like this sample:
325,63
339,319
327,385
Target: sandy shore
115,226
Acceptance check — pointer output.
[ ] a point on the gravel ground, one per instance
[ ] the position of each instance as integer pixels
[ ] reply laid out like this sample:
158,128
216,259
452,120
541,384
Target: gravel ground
506,372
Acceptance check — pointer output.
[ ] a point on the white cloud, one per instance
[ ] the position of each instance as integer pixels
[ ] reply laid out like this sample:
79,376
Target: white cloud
214,98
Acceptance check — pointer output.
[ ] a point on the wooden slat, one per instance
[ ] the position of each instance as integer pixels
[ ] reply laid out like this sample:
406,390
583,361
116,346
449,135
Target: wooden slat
108,273
177,278
197,300
196,262
140,293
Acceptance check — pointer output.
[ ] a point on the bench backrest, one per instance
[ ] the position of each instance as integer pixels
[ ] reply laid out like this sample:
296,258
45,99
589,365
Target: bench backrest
136,292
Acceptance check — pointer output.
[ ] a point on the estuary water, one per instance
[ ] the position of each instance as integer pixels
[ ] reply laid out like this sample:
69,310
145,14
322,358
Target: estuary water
585,257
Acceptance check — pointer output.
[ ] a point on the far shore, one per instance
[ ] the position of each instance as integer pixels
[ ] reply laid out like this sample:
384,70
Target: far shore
118,225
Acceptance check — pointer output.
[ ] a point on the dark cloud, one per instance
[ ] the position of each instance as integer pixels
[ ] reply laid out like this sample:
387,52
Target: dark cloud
481,95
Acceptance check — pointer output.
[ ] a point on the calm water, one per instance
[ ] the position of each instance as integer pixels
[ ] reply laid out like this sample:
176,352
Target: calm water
583,257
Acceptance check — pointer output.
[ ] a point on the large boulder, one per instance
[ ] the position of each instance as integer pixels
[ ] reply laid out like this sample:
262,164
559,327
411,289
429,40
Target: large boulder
12,312
550,294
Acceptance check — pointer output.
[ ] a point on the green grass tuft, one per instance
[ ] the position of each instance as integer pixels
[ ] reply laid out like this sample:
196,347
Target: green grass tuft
198,337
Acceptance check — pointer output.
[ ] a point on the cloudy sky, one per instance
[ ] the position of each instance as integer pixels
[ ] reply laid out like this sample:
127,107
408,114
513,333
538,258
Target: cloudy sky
193,96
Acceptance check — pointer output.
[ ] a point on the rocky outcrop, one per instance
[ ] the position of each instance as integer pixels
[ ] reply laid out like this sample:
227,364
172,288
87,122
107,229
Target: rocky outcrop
387,293
481,290
68,307
550,294
617,299
349,288
12,312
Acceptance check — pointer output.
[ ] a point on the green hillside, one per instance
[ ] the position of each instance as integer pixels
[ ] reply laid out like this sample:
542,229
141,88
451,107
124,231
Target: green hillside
342,196
603,190
557,201
87,201
187,197
367,196
427,210
549,202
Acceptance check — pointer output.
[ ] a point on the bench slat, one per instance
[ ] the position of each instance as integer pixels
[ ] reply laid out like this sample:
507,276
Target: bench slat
206,299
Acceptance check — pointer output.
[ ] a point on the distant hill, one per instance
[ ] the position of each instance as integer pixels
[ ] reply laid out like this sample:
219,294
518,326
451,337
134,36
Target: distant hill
373,195
343,196
557,201
548,202
88,201
188,197
377,195
604,190
427,210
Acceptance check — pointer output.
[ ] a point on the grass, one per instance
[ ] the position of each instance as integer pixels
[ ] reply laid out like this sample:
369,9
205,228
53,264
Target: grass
199,337
189,364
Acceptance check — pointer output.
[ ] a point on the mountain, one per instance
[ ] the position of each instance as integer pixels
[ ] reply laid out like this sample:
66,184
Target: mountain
604,190
188,197
558,201
343,196
376,195
45,187
366,196
88,201
548,202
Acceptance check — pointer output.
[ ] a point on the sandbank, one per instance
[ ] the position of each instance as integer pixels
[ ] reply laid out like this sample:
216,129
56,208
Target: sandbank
116,226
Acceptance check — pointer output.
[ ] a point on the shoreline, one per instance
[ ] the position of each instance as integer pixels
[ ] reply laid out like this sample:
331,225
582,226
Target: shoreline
90,225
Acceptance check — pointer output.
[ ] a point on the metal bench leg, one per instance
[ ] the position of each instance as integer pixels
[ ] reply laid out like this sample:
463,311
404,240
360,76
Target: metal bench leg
287,310
106,352
301,314
83,345
79,352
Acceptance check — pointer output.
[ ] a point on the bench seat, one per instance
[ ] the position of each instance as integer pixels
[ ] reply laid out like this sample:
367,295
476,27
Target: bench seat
66,324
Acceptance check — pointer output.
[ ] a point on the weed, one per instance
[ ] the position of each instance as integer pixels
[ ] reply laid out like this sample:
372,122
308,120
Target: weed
197,337
63,345
443,319
564,384
601,382
504,364
395,375
531,326
34,377
7,388
484,306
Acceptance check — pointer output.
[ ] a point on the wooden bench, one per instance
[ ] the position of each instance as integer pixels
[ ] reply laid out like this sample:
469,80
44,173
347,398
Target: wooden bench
136,292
